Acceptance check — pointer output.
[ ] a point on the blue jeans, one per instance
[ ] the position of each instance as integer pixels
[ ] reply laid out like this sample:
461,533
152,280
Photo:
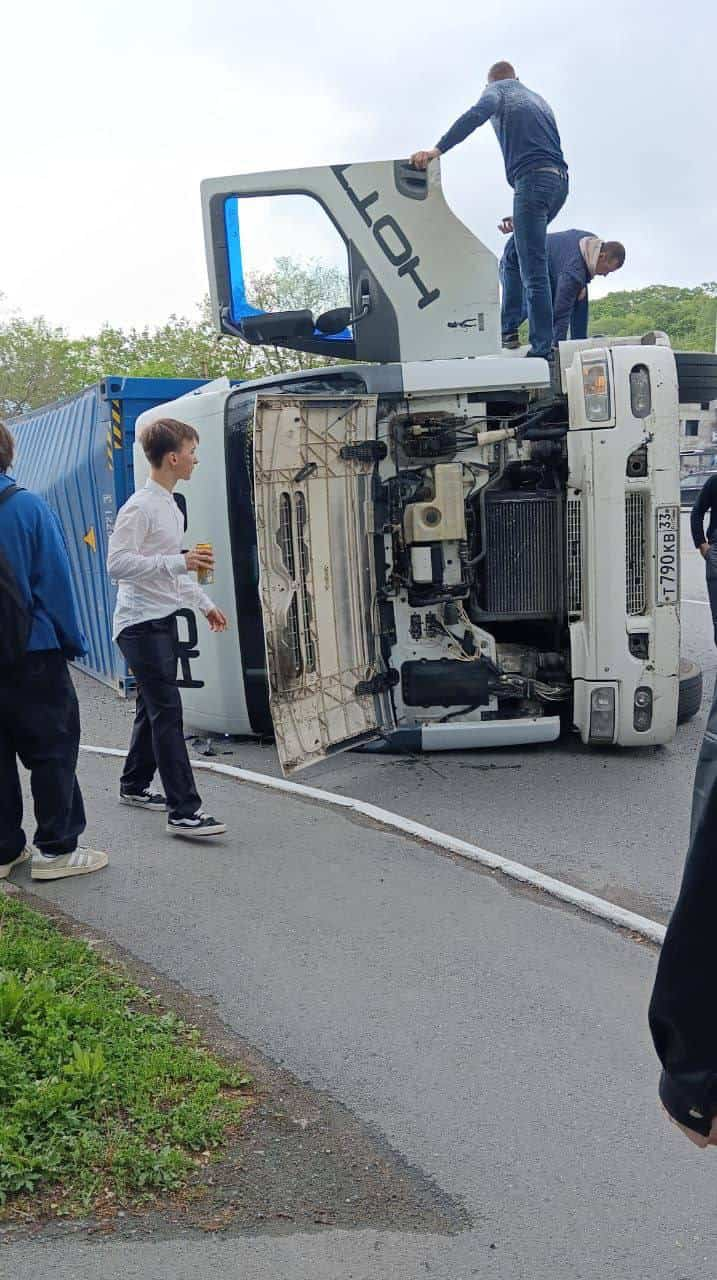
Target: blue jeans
513,315
538,197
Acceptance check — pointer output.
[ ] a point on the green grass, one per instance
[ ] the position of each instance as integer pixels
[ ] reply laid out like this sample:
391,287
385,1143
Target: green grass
102,1096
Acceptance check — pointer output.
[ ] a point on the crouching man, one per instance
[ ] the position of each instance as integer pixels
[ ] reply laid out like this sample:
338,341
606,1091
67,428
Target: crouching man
574,259
152,573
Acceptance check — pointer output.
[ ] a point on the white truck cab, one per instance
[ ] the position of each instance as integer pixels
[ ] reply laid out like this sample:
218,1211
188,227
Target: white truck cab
439,544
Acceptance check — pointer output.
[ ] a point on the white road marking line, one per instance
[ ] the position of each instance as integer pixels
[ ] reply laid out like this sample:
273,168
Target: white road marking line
559,889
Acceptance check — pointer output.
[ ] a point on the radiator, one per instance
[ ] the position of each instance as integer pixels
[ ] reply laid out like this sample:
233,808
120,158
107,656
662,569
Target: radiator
635,563
575,557
524,565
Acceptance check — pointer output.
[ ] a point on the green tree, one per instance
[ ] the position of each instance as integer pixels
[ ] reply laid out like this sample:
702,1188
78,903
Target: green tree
687,316
40,363
37,363
180,348
294,286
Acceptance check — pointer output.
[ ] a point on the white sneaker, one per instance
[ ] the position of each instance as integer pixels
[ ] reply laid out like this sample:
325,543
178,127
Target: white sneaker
201,824
78,863
6,867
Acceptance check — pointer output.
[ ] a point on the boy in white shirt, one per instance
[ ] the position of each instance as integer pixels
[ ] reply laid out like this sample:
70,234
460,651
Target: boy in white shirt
152,571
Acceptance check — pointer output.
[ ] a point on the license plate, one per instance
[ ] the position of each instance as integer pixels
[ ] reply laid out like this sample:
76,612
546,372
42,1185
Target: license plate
668,555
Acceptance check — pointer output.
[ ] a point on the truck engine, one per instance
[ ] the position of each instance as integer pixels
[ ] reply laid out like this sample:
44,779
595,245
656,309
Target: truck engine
474,547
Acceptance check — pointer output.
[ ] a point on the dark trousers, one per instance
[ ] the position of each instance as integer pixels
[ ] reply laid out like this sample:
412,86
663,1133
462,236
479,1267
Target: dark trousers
538,197
514,308
40,723
682,1019
157,742
711,571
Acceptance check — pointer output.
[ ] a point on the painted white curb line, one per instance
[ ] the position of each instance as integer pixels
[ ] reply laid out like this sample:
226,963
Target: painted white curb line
588,902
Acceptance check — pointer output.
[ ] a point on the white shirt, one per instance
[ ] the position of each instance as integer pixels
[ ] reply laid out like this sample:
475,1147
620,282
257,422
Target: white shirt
145,557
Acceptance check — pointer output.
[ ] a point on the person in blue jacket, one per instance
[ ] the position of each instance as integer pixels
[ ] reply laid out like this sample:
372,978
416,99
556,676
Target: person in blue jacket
574,259
39,712
535,167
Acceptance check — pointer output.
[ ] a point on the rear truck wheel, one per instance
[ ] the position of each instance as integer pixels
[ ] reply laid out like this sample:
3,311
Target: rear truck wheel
690,697
696,376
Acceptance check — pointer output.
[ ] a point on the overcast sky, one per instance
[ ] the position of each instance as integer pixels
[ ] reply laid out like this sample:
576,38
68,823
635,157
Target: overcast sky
113,113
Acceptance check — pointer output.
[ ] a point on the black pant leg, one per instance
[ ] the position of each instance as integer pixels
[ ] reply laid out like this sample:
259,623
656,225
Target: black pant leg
12,836
151,652
47,740
140,765
712,593
681,1010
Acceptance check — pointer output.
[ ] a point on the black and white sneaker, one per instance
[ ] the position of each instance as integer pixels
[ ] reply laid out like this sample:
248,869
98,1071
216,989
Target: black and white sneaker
144,799
201,824
511,341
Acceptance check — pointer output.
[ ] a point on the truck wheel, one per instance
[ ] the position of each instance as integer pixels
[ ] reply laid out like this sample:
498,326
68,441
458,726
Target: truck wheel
696,376
690,697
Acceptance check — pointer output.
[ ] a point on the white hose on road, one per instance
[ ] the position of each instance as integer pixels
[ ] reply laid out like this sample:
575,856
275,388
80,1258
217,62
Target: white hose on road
588,902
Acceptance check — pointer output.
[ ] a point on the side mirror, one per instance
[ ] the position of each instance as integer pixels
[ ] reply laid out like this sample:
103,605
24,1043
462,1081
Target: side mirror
334,321
277,326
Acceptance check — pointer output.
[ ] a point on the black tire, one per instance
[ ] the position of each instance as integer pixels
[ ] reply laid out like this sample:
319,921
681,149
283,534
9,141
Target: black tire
690,697
696,376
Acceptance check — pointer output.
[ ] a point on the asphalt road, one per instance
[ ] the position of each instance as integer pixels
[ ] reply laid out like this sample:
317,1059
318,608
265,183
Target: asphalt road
612,822
497,1040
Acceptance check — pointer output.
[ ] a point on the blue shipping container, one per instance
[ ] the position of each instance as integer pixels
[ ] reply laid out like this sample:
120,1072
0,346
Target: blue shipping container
77,454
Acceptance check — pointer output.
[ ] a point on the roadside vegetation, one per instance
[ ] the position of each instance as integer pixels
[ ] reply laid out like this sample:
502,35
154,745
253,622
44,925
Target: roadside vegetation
104,1098
687,316
40,362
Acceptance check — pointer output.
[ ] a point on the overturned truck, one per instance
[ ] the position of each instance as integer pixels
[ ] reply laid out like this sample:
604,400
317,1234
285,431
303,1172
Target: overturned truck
433,543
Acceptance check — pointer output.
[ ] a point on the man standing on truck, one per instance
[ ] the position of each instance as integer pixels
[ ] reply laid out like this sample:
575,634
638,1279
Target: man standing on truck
39,713
146,558
536,170
707,501
574,259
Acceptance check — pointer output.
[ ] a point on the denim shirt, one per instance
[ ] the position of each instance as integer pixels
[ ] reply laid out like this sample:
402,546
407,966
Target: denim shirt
524,124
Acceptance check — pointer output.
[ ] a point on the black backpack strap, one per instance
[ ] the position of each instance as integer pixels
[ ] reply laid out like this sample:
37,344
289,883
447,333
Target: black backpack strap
10,584
10,492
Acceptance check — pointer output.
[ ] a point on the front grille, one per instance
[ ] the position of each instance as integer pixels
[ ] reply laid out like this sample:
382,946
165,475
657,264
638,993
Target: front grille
524,571
286,534
575,557
306,608
635,559
292,618
285,537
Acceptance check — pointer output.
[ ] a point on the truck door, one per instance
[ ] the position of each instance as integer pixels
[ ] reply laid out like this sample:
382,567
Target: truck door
314,462
420,285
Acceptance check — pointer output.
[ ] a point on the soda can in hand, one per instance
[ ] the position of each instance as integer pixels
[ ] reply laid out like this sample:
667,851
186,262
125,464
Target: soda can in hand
205,576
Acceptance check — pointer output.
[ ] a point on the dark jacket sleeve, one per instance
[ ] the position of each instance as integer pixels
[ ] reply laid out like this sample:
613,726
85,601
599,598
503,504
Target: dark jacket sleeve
580,317
682,1009
566,295
485,107
705,500
51,583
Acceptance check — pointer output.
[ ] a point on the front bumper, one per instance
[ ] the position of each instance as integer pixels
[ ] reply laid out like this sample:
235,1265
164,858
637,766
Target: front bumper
471,736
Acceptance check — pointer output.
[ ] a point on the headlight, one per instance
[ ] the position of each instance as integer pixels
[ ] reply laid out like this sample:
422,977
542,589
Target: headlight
640,391
596,388
602,715
642,709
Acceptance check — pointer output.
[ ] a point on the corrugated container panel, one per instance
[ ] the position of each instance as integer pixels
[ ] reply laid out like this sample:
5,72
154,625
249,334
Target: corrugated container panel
77,454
